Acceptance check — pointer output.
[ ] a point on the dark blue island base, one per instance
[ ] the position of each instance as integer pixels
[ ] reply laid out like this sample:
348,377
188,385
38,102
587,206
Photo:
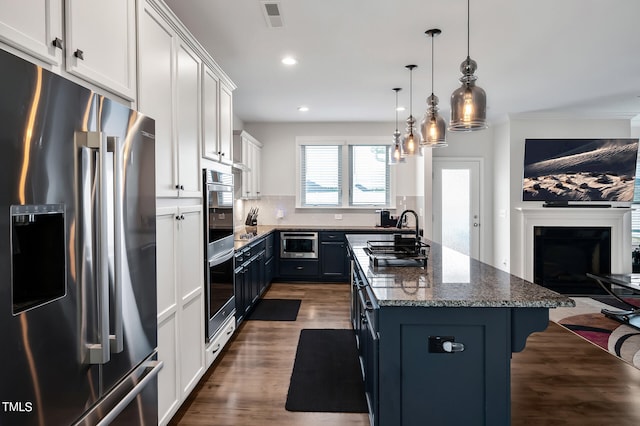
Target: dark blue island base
435,352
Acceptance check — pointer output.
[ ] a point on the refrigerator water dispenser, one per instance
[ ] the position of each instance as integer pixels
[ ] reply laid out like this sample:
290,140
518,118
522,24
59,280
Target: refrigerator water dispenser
38,255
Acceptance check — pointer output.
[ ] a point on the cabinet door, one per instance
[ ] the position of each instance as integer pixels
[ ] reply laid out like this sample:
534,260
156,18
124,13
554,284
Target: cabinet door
256,169
239,293
479,375
155,93
191,348
168,389
210,119
32,26
190,251
188,121
333,260
169,396
247,179
190,283
226,125
100,43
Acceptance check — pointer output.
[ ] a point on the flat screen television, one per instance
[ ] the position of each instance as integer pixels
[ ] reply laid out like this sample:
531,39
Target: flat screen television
565,170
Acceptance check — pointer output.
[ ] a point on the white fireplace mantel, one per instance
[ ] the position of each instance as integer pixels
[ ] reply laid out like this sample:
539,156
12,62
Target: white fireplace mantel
617,218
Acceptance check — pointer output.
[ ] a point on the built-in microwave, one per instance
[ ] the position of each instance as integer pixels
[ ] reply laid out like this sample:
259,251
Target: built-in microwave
299,245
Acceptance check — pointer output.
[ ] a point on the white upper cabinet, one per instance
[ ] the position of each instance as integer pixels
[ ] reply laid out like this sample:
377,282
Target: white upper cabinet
91,39
226,124
210,117
34,27
100,43
249,152
217,118
155,94
188,121
168,91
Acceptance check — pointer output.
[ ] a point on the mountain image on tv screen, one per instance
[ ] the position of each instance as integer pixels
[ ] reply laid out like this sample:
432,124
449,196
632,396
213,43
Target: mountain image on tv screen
579,169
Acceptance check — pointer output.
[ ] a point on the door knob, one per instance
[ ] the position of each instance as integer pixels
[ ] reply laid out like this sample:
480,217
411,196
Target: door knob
476,224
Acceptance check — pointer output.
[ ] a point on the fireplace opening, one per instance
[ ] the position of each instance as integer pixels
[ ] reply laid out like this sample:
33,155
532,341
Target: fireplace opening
562,256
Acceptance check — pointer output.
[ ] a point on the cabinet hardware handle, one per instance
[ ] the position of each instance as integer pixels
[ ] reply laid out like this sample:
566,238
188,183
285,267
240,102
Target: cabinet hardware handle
216,349
177,217
57,43
177,186
453,346
222,153
79,54
229,331
182,187
181,217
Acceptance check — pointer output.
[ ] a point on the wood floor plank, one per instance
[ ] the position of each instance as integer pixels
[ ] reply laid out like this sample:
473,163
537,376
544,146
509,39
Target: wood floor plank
559,379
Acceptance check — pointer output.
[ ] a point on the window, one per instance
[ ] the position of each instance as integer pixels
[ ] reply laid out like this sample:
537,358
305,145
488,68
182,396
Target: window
635,209
344,172
369,175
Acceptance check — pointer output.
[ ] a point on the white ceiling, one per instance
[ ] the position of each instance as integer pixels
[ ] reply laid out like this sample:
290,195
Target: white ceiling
567,58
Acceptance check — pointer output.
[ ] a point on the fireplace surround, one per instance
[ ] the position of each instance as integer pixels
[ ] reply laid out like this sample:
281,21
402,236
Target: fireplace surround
617,219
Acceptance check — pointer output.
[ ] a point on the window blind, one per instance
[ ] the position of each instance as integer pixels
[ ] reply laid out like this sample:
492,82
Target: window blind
635,209
321,175
369,175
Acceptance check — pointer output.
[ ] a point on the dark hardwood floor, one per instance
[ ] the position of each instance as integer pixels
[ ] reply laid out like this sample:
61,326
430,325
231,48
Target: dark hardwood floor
559,378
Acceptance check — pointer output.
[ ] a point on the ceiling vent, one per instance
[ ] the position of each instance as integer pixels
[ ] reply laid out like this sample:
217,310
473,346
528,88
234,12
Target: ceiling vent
272,14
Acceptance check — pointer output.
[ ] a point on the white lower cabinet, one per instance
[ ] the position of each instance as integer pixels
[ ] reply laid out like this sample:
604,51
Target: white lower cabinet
180,305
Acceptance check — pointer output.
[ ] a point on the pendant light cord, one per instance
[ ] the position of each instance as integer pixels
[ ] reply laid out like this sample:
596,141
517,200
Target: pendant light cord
411,94
396,90
432,36
468,25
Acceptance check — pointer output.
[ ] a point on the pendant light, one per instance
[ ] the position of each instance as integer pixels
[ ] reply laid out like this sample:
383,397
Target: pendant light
469,102
395,150
411,139
433,128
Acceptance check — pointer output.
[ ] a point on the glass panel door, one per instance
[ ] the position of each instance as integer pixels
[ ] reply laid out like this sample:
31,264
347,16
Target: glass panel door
456,205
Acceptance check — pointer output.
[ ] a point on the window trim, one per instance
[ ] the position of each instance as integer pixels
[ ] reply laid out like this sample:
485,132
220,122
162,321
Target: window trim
345,142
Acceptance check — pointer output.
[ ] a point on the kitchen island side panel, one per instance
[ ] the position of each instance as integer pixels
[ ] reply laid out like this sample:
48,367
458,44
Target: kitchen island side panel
419,387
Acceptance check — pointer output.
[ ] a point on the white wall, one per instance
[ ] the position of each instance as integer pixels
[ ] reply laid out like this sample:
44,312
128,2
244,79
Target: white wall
278,171
521,129
501,200
476,145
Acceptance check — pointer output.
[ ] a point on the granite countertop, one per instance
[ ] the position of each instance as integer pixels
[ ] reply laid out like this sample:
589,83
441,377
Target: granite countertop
450,279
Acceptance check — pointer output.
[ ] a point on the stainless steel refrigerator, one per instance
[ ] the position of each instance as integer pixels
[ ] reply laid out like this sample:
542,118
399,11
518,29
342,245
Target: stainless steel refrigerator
77,254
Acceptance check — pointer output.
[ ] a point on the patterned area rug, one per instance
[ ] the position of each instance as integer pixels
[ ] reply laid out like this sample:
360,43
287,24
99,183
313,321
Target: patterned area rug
586,321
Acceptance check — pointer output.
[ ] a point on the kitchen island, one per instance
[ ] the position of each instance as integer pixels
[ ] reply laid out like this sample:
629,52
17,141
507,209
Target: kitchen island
435,341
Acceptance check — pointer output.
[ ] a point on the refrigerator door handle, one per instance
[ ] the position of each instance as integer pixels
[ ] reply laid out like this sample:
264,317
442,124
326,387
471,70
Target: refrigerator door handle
91,150
152,368
115,145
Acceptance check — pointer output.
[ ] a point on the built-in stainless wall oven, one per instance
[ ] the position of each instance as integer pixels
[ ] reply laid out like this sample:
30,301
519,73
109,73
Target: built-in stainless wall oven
299,245
218,229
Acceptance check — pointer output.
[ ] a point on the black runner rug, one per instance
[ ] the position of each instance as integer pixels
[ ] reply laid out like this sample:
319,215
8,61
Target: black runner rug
276,310
326,374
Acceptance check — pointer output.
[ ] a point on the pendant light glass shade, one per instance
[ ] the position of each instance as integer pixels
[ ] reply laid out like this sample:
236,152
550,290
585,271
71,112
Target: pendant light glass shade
433,128
469,102
395,150
411,139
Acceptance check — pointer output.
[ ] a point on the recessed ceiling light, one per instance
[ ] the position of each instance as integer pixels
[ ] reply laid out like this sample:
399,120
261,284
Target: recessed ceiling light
289,60
303,108
400,108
